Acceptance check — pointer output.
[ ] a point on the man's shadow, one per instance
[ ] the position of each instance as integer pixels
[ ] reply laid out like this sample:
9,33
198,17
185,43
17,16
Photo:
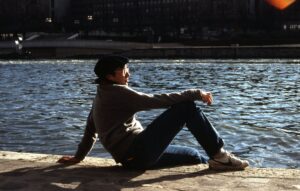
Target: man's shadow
63,177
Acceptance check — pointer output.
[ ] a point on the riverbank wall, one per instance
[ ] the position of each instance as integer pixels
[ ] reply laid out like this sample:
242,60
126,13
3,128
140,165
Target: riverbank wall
29,171
66,49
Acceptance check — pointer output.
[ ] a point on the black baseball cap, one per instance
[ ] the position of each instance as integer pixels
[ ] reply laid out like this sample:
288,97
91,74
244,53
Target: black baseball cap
108,64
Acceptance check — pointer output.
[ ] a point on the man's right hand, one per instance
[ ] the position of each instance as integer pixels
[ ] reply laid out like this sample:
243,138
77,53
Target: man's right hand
69,160
207,97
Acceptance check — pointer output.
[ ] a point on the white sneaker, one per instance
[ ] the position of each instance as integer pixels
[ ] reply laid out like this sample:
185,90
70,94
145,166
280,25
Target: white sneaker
227,161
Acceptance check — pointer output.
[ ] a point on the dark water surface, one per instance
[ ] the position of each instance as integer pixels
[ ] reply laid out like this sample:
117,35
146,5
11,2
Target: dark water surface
44,104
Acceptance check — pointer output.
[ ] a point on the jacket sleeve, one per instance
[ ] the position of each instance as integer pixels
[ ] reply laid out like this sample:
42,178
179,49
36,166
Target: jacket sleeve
88,140
141,101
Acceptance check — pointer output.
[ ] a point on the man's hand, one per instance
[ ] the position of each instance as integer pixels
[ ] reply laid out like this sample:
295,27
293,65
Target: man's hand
207,97
69,160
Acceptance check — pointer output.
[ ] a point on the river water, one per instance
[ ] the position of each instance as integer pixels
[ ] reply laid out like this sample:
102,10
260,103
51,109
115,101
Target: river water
44,104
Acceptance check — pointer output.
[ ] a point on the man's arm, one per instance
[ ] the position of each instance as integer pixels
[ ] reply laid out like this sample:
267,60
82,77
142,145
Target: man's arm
85,146
141,101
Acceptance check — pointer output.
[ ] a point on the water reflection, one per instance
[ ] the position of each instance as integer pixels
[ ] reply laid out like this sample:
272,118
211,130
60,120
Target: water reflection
44,104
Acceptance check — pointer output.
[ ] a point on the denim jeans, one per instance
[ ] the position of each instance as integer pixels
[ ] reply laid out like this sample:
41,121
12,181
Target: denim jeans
152,146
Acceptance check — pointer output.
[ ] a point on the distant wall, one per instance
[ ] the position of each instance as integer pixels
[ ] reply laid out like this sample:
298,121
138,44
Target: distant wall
219,52
190,52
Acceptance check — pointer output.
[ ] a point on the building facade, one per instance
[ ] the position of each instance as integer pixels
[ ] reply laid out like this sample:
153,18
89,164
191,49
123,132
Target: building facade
151,20
21,16
164,19
179,19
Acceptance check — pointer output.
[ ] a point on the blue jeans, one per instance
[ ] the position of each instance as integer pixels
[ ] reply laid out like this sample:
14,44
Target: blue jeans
152,146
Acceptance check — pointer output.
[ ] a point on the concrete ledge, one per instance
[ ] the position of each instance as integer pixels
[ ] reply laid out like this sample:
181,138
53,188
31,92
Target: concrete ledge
28,171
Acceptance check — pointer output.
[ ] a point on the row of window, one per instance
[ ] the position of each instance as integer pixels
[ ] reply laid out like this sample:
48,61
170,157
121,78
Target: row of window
230,9
109,4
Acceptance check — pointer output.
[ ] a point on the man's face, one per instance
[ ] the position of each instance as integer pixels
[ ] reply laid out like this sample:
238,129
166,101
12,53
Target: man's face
121,76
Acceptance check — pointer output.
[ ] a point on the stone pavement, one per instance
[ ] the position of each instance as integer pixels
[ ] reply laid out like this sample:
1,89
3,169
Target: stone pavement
28,171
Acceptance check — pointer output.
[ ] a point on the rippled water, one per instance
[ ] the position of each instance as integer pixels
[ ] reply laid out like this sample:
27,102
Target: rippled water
44,104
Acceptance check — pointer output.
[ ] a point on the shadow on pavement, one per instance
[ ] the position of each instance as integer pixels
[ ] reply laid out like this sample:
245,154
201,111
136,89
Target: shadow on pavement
77,177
